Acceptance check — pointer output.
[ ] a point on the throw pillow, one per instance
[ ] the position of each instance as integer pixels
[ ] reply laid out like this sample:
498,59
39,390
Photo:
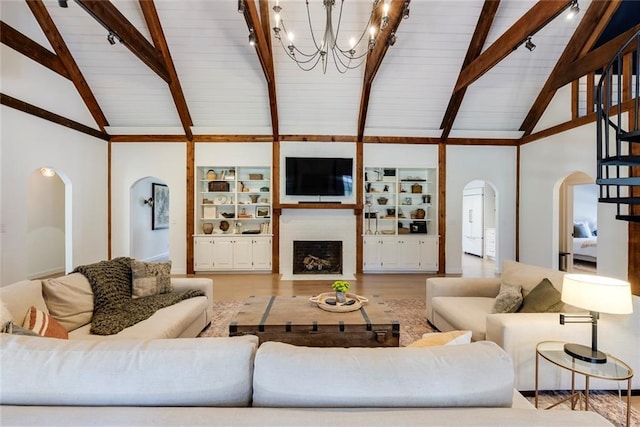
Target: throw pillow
543,298
150,278
43,324
443,338
581,230
508,300
13,329
69,300
5,315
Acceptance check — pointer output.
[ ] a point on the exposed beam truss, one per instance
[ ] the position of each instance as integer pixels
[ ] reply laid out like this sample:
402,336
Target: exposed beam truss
595,18
41,14
478,40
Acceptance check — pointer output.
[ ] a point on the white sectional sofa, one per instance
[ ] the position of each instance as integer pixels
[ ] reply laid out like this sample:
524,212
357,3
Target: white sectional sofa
186,319
230,381
459,303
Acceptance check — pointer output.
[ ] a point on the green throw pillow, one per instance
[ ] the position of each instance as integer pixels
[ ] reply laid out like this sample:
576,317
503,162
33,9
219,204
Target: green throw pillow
544,298
508,300
150,278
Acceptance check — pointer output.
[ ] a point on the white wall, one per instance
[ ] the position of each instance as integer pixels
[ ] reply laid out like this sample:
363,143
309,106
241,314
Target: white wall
496,166
131,162
545,164
146,244
29,143
45,225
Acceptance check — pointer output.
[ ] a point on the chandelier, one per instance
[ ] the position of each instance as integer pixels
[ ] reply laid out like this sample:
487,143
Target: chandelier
344,58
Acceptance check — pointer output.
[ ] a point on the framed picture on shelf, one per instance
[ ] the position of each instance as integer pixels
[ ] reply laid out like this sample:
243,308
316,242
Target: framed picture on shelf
160,209
263,212
210,212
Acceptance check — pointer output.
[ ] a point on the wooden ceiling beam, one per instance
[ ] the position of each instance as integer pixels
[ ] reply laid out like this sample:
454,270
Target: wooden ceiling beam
543,12
596,17
273,100
52,117
264,51
110,17
39,11
160,42
594,60
485,21
32,50
376,55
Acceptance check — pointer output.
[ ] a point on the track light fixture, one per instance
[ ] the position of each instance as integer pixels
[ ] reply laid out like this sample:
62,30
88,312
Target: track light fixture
573,10
252,37
405,10
529,44
63,3
111,38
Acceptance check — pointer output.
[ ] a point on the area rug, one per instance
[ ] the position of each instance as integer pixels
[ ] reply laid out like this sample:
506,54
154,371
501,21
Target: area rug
409,312
607,404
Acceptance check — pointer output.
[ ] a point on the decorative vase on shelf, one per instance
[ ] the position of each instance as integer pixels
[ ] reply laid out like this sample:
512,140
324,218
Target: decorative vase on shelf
211,174
207,227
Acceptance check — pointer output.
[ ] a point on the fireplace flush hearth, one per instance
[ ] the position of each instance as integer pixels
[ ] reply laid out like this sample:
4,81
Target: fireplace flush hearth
317,257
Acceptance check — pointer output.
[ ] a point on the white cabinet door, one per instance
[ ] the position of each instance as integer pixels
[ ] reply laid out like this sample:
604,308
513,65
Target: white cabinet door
243,253
408,253
371,253
429,254
261,253
222,253
202,253
389,255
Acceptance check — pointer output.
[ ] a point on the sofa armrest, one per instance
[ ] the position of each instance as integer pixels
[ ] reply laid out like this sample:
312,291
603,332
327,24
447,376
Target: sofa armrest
459,287
204,284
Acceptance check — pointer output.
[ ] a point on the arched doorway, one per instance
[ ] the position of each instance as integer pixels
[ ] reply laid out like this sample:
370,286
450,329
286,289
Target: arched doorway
49,223
479,229
578,223
149,222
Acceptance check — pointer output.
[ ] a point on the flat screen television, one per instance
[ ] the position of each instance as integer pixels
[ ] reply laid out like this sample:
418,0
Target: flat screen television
318,176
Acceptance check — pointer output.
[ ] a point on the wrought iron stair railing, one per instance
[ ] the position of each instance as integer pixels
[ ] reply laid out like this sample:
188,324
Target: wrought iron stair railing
618,150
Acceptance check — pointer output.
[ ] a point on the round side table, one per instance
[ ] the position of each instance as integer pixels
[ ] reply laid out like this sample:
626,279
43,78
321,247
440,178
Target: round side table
613,369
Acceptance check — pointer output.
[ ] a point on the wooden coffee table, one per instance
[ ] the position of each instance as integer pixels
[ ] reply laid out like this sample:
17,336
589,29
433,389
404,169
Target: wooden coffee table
296,320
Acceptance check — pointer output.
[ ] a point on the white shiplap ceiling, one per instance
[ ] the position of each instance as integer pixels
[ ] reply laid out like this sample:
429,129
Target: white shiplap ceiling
226,91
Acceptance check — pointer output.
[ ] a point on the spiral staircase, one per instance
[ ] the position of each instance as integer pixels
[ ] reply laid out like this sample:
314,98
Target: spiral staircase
618,149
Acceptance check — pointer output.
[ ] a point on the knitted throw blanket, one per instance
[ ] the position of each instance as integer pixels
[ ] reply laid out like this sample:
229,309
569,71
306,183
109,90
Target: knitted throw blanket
114,309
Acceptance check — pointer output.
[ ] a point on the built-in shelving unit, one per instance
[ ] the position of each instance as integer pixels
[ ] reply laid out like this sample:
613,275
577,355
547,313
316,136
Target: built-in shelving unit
400,215
233,218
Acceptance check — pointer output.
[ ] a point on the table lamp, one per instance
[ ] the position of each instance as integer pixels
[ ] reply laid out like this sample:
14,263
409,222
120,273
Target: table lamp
598,295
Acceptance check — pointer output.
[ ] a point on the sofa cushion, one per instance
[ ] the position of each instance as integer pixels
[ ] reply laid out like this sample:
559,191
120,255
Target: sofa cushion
528,276
69,299
127,372
43,324
5,314
443,338
508,299
543,298
464,313
168,322
150,278
20,296
477,374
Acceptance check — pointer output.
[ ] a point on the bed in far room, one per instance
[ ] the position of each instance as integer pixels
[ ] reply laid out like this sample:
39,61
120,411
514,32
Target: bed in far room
585,242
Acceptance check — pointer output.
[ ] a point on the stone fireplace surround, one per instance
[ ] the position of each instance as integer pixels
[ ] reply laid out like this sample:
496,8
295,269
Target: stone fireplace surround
320,225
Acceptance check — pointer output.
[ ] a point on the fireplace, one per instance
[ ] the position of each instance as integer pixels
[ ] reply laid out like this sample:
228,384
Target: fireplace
317,257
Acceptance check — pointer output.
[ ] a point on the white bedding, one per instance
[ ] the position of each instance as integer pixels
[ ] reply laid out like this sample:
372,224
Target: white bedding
586,248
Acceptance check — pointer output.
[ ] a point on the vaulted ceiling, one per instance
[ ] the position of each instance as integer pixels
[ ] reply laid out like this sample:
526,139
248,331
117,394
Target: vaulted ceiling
458,68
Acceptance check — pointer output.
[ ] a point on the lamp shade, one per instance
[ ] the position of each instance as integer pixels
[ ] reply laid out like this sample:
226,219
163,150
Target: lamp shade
597,293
